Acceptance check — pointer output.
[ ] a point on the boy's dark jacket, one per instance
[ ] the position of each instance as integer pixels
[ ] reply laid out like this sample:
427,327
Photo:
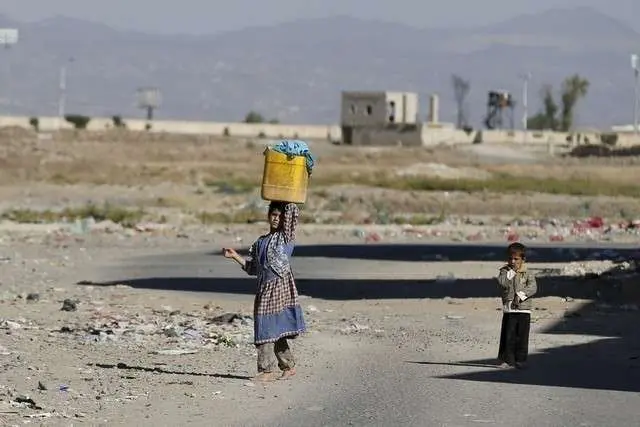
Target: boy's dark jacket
523,282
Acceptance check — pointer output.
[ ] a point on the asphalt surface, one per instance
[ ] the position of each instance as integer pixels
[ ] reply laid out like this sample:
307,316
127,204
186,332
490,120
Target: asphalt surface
345,272
593,383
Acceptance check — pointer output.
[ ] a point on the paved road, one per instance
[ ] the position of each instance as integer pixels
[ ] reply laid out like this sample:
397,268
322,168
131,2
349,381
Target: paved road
342,272
591,383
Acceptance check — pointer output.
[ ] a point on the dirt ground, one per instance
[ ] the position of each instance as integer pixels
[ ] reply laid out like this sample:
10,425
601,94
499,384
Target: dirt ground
75,350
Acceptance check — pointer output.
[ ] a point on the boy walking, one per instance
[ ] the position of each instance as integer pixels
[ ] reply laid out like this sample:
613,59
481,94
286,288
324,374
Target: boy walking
517,286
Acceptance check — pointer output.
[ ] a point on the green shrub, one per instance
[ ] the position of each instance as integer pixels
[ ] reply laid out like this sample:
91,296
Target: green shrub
77,120
610,138
34,122
118,122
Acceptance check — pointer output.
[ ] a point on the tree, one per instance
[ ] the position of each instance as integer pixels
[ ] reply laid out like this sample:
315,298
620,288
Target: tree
35,123
573,89
78,120
546,118
461,88
559,117
118,122
253,117
549,108
537,122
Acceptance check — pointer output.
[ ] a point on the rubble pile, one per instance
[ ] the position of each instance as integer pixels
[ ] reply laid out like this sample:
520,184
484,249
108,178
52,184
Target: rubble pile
159,330
110,327
372,230
460,229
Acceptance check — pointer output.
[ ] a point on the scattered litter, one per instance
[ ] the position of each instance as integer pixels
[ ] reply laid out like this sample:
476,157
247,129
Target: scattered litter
513,237
69,305
354,328
229,318
22,401
10,325
33,297
41,415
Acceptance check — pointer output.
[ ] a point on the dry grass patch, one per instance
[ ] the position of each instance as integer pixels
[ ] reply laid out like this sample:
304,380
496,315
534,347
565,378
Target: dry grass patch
123,216
623,173
508,184
234,166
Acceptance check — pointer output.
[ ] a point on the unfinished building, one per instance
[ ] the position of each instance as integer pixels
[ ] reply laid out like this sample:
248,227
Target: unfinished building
380,118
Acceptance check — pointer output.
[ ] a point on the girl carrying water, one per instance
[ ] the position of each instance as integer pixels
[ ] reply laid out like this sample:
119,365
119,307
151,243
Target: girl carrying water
277,312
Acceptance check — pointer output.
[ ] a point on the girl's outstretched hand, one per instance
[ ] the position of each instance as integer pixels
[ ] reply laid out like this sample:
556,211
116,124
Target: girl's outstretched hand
229,253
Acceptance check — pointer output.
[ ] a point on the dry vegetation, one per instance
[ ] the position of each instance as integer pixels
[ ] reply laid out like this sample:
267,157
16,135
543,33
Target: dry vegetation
212,179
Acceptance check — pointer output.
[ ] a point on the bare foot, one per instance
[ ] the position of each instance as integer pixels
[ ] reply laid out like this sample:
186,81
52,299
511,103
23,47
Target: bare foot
287,374
265,377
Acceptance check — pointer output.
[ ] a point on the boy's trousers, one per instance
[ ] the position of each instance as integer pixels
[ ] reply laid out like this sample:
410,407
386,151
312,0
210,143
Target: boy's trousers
514,338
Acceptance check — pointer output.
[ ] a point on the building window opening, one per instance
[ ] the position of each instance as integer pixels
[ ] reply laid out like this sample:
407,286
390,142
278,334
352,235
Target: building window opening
369,110
391,112
353,109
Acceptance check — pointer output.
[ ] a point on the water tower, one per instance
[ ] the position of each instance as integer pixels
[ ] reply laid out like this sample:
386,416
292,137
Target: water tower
8,38
500,103
149,98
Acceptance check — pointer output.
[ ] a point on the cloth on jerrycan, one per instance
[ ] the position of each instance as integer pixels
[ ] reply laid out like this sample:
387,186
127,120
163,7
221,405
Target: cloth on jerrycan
296,147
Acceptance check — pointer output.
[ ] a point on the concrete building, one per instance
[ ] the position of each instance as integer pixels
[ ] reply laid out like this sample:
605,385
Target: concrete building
380,118
379,108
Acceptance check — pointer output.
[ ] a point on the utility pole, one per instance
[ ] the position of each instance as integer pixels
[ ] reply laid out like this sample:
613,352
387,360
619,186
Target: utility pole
8,38
525,104
636,74
149,99
62,95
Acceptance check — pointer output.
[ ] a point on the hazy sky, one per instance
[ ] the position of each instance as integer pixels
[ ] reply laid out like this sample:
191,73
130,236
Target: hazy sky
210,16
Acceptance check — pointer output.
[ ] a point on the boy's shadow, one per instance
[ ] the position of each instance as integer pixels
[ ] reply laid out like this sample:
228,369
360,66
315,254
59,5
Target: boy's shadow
603,364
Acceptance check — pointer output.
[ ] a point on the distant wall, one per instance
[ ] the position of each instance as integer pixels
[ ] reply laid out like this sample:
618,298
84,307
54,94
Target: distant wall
50,124
446,135
557,138
627,140
426,134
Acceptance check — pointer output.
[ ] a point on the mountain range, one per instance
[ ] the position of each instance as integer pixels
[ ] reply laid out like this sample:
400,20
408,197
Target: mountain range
295,71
